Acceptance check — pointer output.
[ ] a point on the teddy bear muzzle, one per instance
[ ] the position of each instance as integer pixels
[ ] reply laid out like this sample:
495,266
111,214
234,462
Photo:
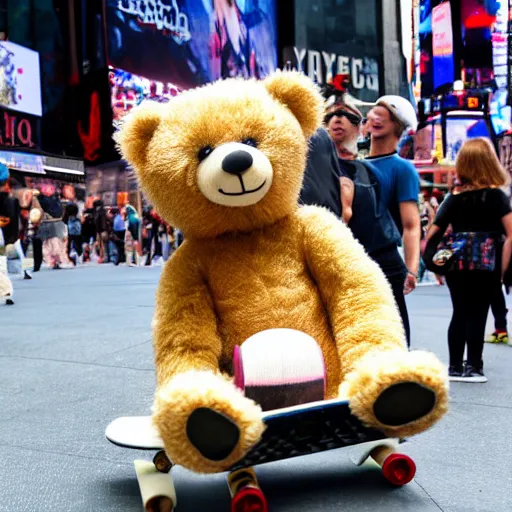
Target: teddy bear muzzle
235,175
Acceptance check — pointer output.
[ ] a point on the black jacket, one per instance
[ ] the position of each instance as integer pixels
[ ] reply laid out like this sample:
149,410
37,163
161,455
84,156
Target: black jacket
10,208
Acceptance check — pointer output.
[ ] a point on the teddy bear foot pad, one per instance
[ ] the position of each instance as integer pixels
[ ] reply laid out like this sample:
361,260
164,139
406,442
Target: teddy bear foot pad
404,403
213,434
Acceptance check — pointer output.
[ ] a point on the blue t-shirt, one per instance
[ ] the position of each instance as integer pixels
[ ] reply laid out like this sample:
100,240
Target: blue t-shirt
399,183
119,224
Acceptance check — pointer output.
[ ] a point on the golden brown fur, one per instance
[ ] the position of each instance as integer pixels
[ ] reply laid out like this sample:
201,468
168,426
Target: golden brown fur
270,265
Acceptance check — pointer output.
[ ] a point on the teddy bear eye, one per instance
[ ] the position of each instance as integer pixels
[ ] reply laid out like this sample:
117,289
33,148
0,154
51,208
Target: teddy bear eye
204,153
250,142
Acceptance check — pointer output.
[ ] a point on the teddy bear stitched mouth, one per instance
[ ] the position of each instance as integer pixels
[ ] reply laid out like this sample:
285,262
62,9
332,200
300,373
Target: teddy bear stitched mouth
243,192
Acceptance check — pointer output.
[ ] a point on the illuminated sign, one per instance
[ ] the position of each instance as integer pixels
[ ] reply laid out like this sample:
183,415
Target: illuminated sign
165,16
22,161
442,35
20,81
323,66
129,90
17,130
473,102
500,45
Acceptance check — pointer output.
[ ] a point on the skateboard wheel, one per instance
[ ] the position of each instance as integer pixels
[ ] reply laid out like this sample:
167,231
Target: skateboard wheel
398,469
249,499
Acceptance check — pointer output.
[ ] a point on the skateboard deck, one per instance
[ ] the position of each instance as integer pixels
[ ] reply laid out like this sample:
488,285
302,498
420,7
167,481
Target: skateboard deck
291,432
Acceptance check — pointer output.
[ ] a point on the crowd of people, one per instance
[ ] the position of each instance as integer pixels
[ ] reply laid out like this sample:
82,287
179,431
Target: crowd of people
375,193
58,231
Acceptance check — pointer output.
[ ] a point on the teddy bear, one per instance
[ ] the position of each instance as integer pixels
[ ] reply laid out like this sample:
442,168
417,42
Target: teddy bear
224,163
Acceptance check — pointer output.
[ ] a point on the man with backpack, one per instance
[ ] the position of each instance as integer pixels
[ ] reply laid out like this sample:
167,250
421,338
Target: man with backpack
335,179
74,233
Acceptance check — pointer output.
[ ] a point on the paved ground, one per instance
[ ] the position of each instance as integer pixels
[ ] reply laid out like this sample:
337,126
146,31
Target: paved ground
75,353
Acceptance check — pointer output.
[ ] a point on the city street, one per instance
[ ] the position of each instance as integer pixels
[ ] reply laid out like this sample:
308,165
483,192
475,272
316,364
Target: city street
75,353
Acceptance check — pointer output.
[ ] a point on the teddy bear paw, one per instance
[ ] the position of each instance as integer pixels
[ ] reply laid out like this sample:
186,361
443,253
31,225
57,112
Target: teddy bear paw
206,423
398,392
214,435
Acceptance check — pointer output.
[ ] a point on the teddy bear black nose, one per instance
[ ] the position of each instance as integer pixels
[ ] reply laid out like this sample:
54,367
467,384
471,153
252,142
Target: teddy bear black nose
237,162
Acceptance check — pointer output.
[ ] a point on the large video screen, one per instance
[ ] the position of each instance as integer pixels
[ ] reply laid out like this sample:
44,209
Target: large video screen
478,19
458,130
129,90
501,113
20,80
191,42
442,45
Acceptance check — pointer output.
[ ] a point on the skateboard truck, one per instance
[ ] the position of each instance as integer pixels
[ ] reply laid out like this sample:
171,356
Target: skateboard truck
156,488
246,495
162,462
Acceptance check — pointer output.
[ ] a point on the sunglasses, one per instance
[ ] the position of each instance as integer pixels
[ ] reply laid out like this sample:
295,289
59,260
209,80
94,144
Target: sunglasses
353,119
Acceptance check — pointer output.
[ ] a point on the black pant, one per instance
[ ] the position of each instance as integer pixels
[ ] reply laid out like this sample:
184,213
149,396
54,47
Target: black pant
471,293
499,310
395,271
76,242
119,241
397,285
37,248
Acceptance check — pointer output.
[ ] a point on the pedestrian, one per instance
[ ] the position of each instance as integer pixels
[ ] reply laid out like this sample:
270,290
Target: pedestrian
88,234
399,187
133,230
499,311
480,215
119,231
348,187
102,236
9,232
75,248
53,231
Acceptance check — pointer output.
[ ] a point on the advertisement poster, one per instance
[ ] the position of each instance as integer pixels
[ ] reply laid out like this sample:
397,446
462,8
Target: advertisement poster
191,42
478,19
459,130
20,80
442,45
500,45
129,90
321,67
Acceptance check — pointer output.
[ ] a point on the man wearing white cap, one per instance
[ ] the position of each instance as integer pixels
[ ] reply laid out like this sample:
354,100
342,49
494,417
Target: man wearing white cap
399,187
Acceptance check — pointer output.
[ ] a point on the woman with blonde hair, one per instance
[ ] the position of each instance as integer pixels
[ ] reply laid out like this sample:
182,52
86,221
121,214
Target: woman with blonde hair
475,255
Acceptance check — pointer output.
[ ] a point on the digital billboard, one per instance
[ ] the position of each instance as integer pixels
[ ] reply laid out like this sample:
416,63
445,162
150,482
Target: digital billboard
460,129
20,81
129,90
442,45
192,42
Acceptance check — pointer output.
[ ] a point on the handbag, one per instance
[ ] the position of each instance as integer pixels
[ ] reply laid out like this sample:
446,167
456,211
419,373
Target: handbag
462,251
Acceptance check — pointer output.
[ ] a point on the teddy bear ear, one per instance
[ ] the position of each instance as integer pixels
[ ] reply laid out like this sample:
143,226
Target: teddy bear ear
136,131
297,92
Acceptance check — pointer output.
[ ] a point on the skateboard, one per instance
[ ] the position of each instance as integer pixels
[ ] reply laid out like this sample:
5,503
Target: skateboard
290,432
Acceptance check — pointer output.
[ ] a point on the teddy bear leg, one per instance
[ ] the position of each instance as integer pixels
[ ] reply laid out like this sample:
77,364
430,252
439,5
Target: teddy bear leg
398,392
205,422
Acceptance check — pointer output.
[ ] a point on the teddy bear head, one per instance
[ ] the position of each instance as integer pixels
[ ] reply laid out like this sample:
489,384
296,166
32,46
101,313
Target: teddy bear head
226,157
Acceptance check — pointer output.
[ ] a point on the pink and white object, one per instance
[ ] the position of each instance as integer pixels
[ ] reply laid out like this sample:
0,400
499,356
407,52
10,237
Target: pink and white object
280,368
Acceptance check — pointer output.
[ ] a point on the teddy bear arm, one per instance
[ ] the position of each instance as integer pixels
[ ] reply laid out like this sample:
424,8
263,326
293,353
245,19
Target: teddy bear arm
356,295
185,324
